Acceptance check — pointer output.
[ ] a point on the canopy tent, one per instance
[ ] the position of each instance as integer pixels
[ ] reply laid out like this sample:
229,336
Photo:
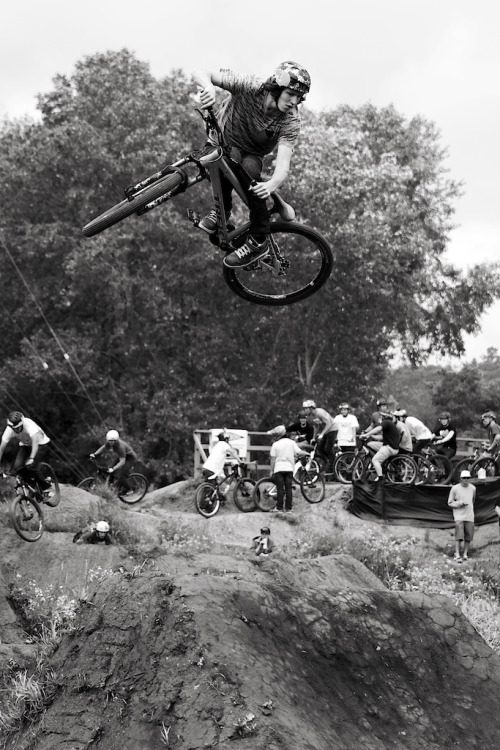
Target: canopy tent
420,505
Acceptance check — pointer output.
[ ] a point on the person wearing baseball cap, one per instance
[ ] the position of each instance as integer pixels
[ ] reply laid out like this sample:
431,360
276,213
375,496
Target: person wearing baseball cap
461,499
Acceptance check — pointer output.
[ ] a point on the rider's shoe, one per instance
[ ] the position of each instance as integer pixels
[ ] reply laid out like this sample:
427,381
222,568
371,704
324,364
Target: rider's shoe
48,494
209,222
247,253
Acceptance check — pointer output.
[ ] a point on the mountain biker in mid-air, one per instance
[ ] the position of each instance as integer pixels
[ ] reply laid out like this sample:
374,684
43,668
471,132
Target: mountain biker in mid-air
256,117
125,463
33,446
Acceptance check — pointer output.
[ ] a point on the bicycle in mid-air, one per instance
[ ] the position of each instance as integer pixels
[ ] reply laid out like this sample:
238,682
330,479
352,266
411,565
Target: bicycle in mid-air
210,495
26,509
299,260
137,484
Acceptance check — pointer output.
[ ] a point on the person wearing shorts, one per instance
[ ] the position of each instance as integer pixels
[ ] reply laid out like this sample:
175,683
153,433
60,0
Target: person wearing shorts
461,498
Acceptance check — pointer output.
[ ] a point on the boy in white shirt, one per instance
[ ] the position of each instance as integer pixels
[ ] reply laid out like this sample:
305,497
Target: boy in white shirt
461,498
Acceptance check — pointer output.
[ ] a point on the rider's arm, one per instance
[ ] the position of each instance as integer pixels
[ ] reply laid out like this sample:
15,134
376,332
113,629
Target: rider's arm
35,442
281,169
99,450
207,80
3,446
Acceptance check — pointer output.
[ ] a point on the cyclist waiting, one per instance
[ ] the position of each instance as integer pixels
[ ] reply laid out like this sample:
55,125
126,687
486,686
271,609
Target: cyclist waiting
302,430
33,447
325,431
405,440
444,435
488,420
213,467
347,426
421,434
126,458
389,444
283,453
255,118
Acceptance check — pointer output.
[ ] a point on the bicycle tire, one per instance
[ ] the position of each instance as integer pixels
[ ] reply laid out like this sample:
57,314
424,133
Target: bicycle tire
207,500
27,518
488,463
243,494
314,467
265,494
89,484
465,464
49,474
359,469
401,470
138,488
443,469
312,487
128,207
261,287
342,468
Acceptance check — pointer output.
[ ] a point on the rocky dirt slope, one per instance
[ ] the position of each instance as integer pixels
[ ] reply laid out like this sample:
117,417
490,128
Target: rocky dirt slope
191,650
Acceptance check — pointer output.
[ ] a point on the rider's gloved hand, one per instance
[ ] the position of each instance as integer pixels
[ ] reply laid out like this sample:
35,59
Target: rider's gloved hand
29,461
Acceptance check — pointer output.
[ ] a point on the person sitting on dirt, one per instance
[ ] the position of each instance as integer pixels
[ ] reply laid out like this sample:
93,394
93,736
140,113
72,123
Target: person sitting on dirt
256,118
126,457
98,534
33,447
221,453
488,421
263,544
444,435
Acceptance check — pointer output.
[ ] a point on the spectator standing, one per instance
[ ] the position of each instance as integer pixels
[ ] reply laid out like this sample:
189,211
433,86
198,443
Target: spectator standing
284,451
461,498
444,435
347,426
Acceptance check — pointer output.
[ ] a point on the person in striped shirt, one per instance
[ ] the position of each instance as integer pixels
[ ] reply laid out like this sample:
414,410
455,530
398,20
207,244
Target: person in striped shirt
255,118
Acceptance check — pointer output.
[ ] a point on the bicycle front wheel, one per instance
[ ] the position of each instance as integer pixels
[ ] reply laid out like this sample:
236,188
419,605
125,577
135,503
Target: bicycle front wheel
49,475
27,518
265,494
138,486
243,495
90,484
312,486
207,500
304,263
342,468
401,470
167,184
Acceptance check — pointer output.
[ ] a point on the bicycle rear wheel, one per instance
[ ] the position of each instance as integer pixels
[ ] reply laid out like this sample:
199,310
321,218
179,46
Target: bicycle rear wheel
359,469
49,475
342,468
167,184
465,464
207,500
138,486
27,518
90,484
487,463
442,469
265,494
312,486
306,262
401,470
243,494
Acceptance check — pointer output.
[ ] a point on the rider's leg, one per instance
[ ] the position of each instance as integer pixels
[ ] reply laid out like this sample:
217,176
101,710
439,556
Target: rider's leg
380,456
209,222
280,487
121,476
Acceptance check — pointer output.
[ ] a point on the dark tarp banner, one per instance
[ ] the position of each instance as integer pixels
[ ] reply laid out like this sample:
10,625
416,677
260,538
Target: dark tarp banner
421,505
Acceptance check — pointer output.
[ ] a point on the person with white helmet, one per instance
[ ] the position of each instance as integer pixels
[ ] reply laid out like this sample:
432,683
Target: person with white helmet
125,457
258,117
33,447
325,431
99,533
219,456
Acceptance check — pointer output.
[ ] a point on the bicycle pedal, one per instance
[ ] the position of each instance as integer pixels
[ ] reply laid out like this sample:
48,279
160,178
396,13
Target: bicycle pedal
194,216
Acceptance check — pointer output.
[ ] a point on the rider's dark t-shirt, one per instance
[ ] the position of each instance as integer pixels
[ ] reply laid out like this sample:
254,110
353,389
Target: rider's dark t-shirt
440,430
390,434
304,433
123,450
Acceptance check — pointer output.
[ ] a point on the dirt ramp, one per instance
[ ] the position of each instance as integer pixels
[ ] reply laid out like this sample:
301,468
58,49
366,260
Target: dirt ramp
268,654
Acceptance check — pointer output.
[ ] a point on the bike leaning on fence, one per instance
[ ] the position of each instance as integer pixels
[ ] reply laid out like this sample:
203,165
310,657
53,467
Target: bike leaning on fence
211,495
299,260
26,509
137,484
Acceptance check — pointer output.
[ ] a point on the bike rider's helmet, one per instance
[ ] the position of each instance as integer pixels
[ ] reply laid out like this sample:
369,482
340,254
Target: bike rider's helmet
102,526
265,530
15,420
289,75
308,404
381,402
112,435
444,415
489,415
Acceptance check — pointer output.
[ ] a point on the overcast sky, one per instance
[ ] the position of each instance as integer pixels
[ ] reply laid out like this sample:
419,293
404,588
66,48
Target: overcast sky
436,58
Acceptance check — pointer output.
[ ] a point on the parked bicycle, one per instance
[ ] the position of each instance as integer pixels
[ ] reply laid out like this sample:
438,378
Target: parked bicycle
432,467
399,469
488,462
211,495
26,509
299,261
137,484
